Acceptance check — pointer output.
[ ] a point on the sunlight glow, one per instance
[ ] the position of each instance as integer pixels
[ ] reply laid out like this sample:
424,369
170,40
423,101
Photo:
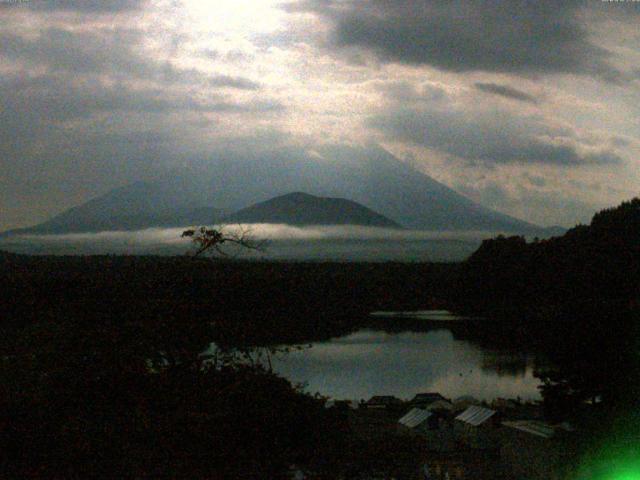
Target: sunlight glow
234,16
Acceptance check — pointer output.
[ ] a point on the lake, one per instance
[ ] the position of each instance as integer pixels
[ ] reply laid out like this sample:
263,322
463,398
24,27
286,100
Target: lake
375,362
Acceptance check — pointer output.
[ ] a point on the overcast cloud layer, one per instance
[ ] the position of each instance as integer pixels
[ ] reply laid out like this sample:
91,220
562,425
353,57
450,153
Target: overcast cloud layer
531,108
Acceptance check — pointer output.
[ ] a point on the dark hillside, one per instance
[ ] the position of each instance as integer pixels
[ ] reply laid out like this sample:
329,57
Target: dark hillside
577,296
304,209
106,368
255,301
596,262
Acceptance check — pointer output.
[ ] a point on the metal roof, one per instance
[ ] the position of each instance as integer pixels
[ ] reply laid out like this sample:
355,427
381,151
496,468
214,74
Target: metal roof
531,426
415,417
475,415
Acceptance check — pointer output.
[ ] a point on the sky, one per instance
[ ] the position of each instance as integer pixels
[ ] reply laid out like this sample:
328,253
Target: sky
531,108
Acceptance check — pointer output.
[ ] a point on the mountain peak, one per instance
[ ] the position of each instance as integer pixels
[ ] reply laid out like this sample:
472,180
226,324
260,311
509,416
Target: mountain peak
369,176
299,208
296,196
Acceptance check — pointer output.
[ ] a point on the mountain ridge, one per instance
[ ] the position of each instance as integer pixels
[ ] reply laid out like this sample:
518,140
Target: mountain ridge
370,176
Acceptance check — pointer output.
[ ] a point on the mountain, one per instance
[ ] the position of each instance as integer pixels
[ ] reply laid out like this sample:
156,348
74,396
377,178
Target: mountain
137,206
232,181
304,209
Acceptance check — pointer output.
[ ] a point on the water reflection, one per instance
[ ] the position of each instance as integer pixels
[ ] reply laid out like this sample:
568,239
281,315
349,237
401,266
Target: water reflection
371,362
512,364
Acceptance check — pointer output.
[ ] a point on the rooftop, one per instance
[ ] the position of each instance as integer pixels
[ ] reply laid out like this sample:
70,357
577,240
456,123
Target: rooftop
476,415
427,397
384,399
532,427
415,417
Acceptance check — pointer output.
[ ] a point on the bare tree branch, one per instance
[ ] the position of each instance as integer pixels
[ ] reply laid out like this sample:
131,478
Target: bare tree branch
208,239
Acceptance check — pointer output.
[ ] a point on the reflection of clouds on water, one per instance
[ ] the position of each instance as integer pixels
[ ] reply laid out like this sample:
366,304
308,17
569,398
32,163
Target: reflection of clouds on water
486,386
506,363
378,347
361,337
368,362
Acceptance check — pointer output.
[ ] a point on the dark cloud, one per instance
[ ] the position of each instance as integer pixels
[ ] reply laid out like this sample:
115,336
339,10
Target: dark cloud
114,52
210,53
101,51
86,6
35,113
506,91
493,138
86,110
516,36
409,93
237,55
233,82
535,180
64,138
255,106
618,141
232,56
51,99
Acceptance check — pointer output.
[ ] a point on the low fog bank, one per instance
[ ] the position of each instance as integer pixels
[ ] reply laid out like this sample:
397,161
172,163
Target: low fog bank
285,242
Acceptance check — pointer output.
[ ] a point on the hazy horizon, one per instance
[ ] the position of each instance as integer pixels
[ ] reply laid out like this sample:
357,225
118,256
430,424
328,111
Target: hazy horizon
284,242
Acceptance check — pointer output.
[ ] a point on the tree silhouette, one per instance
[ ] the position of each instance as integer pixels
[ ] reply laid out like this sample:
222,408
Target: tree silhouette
208,239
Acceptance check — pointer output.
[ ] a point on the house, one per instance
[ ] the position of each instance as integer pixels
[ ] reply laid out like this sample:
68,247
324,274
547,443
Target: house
475,416
341,404
382,402
534,450
433,428
420,420
476,427
442,406
504,404
422,400
523,411
468,465
532,427
464,402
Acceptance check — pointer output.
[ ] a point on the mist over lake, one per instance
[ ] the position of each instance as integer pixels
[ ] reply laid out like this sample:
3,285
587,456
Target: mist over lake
284,242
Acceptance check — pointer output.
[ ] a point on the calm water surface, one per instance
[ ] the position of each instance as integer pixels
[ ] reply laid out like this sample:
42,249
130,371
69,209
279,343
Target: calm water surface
371,362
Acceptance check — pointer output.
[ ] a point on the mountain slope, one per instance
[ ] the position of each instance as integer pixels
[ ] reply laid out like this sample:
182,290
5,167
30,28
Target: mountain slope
304,209
136,206
370,176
